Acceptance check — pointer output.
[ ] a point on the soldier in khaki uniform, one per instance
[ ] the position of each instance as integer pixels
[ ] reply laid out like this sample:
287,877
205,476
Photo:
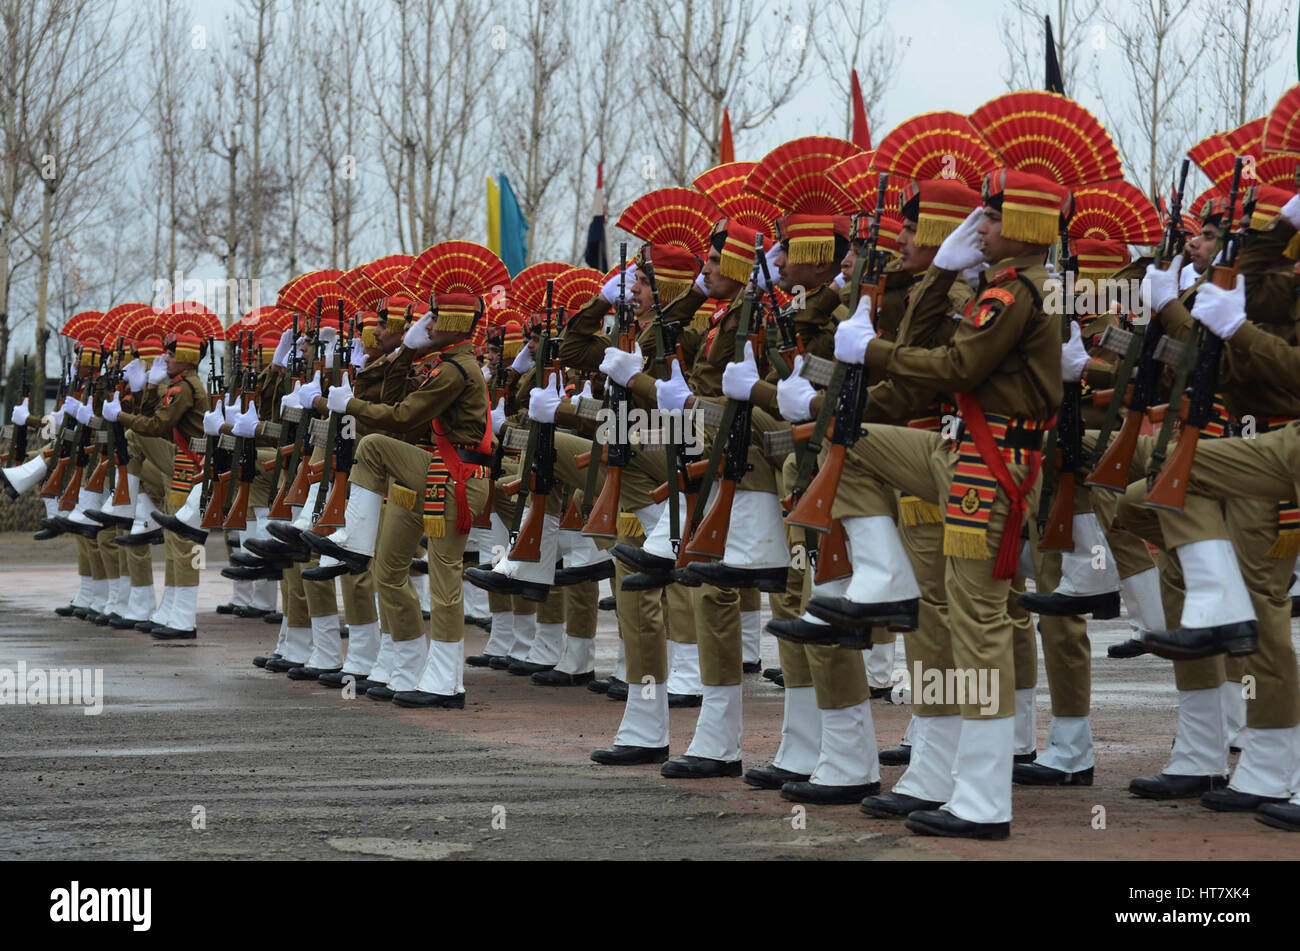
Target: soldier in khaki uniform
1003,363
435,495
180,415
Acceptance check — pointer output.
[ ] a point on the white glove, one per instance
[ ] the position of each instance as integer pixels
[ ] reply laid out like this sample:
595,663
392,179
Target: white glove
794,395
854,334
232,408
673,392
307,395
1291,211
738,379
610,290
486,371
70,406
586,391
417,335
245,424
524,361
56,418
1221,312
543,402
339,396
328,335
112,409
212,421
620,366
157,372
839,280
498,416
291,398
700,285
961,249
772,272
358,358
84,413
972,274
283,349
1159,287
21,414
135,374
1074,356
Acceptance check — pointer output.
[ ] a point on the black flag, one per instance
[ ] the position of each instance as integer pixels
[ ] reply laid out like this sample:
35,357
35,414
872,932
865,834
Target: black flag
1053,82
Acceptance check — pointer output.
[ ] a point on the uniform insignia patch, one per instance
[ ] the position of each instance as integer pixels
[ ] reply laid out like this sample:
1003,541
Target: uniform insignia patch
1003,276
991,303
970,502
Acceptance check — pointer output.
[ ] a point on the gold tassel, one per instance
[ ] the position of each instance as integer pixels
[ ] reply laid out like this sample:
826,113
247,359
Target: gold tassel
965,543
671,288
914,511
931,230
176,499
817,251
736,269
435,526
700,322
1029,224
401,495
368,337
1292,249
629,526
1285,546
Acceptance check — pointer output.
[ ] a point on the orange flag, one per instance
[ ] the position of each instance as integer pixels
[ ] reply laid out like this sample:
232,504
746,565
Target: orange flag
726,149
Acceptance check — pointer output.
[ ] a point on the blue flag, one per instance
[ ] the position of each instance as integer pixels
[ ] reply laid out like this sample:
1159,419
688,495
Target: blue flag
514,230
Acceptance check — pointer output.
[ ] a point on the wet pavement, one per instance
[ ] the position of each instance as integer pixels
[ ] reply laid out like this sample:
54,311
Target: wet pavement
198,754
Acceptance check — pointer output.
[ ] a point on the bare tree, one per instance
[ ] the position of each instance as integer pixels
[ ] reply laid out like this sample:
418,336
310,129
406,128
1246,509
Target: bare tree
1147,124
171,88
1244,38
707,55
1079,31
854,34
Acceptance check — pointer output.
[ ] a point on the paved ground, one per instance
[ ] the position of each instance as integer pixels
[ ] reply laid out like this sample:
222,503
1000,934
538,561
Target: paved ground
278,769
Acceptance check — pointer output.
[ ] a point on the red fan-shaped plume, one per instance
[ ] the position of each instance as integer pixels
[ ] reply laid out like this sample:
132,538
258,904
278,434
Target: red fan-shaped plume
457,267
87,324
1048,135
1282,128
1278,169
575,288
1215,156
1249,138
860,182
120,321
794,176
255,320
935,145
1198,205
528,288
1115,211
724,185
141,324
361,288
300,294
672,216
388,273
192,318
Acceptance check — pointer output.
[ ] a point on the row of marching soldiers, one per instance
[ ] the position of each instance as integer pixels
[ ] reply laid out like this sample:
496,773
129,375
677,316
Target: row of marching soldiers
905,416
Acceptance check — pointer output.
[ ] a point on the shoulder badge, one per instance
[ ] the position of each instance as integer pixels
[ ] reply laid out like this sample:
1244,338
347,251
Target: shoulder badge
1004,276
991,303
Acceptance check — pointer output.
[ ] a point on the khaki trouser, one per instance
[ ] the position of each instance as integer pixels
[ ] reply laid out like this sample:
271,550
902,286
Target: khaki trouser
151,460
1067,652
381,462
551,611
1024,646
920,463
930,644
581,607
641,625
679,614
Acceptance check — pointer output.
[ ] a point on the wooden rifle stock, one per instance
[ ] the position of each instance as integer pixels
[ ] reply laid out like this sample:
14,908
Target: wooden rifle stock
122,488
237,517
301,485
336,504
54,483
814,508
1058,535
572,521
1169,491
832,555
685,557
710,539
603,521
68,500
528,546
1112,469
99,476
215,513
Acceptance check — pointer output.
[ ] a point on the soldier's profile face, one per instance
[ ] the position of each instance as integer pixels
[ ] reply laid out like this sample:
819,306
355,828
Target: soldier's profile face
990,236
642,297
1200,248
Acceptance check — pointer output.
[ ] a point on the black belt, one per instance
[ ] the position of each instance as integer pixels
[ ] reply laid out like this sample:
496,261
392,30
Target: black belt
474,457
1015,438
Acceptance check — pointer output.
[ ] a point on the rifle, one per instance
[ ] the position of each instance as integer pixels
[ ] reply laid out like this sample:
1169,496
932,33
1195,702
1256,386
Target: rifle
68,500
1168,490
1065,445
338,456
1112,461
528,542
500,385
297,492
245,453
18,450
813,510
731,446
112,383
288,436
220,448
602,520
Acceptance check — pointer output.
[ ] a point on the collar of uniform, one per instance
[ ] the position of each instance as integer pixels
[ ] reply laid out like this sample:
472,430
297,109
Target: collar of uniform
1022,263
